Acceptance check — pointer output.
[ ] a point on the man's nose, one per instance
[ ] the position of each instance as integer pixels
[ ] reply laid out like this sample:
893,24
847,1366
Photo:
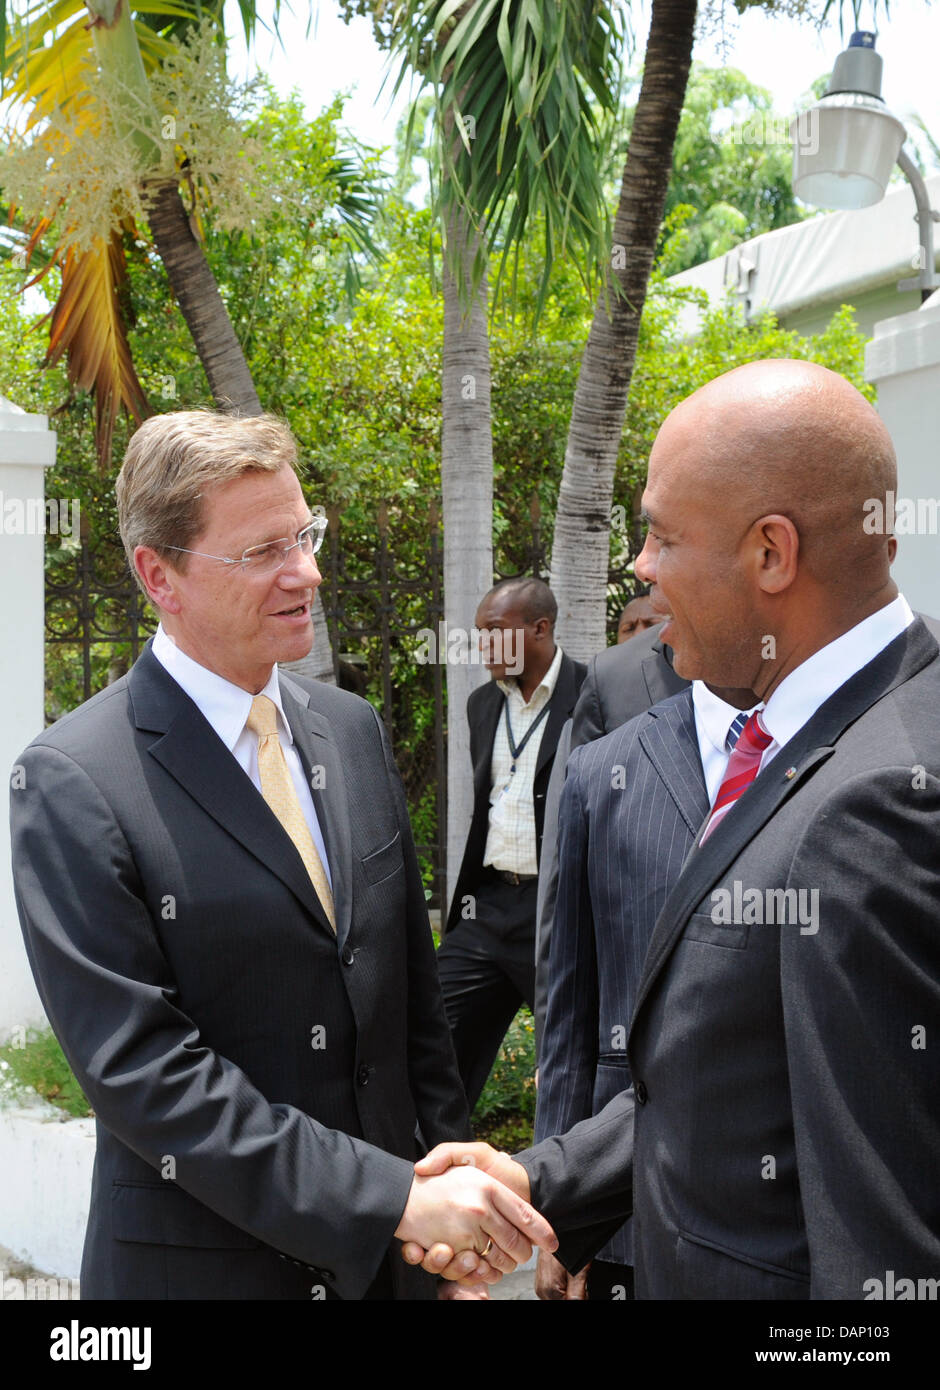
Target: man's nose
300,569
644,567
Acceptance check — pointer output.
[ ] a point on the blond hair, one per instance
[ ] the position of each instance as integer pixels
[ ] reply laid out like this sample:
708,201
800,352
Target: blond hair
173,459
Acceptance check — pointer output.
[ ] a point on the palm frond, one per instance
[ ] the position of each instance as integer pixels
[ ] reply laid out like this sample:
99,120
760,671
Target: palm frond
87,326
523,85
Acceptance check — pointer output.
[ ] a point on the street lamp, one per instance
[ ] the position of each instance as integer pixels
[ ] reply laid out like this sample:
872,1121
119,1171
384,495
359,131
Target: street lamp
845,147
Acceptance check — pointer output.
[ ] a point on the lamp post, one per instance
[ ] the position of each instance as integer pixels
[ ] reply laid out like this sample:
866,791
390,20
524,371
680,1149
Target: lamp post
845,147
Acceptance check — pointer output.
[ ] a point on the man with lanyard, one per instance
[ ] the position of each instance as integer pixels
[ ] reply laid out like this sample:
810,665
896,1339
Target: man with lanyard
487,958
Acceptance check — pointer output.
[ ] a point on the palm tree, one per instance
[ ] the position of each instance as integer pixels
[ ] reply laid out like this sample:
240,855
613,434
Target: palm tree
519,87
80,70
581,545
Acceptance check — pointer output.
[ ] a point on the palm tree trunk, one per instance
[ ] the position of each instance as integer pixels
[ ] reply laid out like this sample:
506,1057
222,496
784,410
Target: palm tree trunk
191,279
467,496
581,547
195,289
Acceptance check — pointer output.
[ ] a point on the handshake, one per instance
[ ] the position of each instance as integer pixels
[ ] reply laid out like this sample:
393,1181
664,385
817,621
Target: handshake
468,1216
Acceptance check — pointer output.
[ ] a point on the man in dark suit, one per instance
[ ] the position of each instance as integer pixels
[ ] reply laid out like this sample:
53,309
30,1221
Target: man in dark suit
782,1129
631,806
487,958
621,682
224,914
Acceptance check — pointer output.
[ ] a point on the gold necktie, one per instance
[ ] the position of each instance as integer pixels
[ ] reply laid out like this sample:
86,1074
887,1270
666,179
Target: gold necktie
279,792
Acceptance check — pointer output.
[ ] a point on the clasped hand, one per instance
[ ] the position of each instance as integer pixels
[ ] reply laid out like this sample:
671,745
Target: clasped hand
467,1199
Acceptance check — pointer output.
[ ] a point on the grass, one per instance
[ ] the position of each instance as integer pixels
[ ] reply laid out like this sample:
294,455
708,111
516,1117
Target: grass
36,1063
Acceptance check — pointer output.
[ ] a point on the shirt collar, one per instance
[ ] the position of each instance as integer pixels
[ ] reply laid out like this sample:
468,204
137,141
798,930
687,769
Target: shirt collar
713,715
548,681
224,705
800,694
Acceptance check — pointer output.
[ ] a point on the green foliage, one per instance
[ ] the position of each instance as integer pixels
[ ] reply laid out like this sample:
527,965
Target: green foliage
731,168
521,88
670,366
360,385
41,1067
505,1112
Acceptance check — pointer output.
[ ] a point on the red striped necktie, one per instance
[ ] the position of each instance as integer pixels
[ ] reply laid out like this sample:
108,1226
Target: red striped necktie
743,766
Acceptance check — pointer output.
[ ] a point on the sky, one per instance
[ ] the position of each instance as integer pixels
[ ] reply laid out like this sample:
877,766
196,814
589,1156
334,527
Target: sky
785,56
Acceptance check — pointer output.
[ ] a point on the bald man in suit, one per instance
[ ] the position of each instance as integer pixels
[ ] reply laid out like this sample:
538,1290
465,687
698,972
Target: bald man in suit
763,1153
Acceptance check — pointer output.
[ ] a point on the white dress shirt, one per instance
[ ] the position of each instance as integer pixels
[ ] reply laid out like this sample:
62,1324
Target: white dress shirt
800,694
226,707
713,719
510,841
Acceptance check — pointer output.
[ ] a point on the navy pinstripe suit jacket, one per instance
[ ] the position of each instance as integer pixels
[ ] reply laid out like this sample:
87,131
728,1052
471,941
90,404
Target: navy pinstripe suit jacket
630,807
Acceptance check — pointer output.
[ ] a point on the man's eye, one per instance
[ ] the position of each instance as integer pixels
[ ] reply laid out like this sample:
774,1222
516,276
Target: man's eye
261,554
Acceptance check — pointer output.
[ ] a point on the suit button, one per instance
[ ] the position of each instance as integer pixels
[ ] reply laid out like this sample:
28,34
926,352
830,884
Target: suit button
349,955
362,1075
641,1093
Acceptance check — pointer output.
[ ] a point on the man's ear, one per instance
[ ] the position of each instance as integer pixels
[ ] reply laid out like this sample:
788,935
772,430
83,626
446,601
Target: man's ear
774,544
158,578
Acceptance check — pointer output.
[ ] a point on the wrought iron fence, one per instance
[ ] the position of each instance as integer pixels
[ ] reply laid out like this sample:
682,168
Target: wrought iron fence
382,584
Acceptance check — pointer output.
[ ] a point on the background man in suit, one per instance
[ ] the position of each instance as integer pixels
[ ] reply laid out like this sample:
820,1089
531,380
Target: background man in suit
782,1130
487,958
621,682
223,910
637,616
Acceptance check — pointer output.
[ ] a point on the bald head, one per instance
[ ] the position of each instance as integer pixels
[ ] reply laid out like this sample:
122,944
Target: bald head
796,439
762,476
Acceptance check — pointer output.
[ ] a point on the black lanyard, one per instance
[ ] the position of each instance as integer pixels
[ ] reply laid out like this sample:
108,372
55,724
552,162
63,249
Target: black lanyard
516,749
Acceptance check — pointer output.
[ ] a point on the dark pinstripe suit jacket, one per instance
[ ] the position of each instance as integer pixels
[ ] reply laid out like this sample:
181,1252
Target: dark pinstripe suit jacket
629,811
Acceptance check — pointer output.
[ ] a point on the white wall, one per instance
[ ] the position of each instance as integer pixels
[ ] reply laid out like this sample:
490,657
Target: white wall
46,1162
903,361
27,448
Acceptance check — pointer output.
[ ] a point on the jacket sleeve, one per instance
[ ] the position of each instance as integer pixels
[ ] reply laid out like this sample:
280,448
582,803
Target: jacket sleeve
548,880
587,721
582,1181
861,1000
568,1050
318,1195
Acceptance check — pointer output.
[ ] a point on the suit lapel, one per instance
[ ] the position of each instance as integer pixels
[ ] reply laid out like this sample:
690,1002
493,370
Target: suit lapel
317,746
562,703
192,753
799,758
660,679
670,742
489,709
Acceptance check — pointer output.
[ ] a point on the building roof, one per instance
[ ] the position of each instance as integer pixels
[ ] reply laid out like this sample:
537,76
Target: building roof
805,271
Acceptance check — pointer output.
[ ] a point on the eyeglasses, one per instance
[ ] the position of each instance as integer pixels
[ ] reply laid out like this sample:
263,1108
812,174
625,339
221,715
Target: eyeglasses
266,558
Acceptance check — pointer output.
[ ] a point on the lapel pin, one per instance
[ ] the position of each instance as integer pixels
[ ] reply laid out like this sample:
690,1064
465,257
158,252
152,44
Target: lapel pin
790,773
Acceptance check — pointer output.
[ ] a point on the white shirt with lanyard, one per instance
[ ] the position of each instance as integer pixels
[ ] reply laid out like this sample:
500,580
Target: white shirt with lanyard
510,842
